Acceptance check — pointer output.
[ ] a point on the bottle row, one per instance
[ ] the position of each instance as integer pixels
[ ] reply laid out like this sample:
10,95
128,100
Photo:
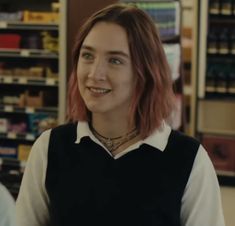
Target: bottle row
221,41
223,7
220,78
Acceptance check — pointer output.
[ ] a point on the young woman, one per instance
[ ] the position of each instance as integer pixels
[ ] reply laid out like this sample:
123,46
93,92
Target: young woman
119,163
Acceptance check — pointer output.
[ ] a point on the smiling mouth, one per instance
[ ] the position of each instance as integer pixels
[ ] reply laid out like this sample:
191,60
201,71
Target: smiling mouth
99,90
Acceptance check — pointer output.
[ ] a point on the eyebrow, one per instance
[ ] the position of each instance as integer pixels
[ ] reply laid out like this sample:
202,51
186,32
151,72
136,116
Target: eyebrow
111,52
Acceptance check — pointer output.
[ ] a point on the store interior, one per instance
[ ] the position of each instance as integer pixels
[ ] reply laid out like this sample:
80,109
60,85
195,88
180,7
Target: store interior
36,41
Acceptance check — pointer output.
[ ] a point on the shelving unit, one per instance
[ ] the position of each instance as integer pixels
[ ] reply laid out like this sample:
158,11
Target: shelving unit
189,48
167,15
216,84
32,77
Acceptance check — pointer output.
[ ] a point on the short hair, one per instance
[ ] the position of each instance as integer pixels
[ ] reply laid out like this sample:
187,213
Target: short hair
153,98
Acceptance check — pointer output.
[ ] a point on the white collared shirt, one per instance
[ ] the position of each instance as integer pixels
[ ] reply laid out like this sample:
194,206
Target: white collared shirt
201,202
7,208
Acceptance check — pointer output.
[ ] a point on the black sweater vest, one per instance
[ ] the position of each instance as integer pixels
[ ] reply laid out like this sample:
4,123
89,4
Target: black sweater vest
87,187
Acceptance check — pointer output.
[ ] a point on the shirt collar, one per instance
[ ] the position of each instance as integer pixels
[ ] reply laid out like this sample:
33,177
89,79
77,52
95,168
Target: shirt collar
158,139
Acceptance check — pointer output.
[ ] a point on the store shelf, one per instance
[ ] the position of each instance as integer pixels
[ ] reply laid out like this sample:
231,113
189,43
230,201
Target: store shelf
17,80
29,53
216,117
28,26
225,173
18,136
223,90
27,110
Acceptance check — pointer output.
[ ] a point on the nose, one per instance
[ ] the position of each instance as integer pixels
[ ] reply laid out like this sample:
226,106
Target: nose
98,71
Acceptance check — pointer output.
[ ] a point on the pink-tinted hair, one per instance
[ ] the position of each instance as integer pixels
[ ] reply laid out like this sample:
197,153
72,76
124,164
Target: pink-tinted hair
153,99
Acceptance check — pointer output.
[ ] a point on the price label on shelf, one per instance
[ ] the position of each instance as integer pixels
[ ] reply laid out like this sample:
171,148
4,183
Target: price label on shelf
11,135
29,137
25,53
8,79
50,81
22,80
8,108
29,110
3,24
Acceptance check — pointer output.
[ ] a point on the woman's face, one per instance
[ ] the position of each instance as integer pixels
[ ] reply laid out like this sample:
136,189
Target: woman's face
104,70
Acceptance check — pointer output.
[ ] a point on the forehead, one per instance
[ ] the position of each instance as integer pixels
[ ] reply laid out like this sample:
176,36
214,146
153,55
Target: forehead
107,36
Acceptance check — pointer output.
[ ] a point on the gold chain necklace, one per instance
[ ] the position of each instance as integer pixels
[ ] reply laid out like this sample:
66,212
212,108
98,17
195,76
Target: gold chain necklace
113,143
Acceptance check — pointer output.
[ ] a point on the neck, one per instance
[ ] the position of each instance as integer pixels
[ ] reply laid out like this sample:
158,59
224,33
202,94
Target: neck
110,126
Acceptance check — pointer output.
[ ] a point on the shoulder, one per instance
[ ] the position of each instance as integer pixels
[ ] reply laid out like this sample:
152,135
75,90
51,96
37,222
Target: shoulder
65,130
182,143
183,139
182,150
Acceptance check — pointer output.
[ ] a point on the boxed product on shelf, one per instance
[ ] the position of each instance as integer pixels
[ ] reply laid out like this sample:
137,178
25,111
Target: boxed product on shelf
10,41
20,72
14,16
167,15
173,54
221,151
5,72
32,41
49,42
40,17
50,73
8,152
31,100
3,125
17,127
40,122
36,72
11,100
23,152
175,119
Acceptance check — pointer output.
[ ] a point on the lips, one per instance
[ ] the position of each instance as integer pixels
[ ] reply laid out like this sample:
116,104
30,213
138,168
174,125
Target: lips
97,90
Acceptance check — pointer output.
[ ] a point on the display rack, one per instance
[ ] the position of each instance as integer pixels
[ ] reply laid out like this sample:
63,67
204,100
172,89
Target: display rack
32,77
216,84
167,15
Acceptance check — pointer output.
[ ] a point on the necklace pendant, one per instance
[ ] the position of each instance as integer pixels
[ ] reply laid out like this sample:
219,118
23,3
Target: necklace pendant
109,143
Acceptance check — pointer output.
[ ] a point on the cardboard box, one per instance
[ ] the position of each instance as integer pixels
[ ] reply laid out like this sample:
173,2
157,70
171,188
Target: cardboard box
221,151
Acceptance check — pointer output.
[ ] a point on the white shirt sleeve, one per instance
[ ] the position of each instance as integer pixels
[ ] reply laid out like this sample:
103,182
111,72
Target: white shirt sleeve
7,208
201,202
32,202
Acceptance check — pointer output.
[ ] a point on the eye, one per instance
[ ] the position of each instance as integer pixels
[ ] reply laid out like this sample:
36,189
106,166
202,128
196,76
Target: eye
87,56
115,61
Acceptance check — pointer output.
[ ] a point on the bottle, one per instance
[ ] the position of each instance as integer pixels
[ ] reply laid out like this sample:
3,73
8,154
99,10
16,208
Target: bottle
212,45
232,43
226,7
214,7
221,80
233,7
210,78
231,80
224,42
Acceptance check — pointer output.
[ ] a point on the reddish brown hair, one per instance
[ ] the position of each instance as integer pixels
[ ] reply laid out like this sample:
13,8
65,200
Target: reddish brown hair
153,98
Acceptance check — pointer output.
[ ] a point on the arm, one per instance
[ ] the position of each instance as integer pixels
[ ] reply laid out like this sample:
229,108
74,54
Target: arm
32,202
7,208
201,202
